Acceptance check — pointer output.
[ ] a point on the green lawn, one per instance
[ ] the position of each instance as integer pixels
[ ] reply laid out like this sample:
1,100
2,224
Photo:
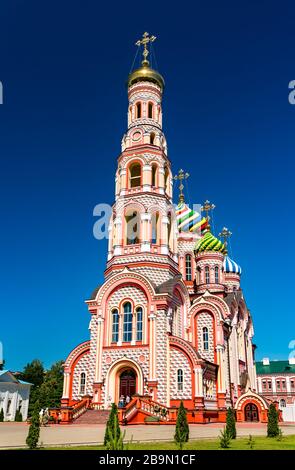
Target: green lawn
260,443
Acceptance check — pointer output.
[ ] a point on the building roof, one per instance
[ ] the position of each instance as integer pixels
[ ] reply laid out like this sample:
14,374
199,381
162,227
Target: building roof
230,266
275,367
12,378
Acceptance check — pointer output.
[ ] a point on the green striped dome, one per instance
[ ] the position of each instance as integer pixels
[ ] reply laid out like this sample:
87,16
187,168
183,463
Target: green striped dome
209,243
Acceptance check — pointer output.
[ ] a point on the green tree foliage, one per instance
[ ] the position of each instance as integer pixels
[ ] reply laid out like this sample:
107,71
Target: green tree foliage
113,430
224,439
182,429
33,373
273,429
115,440
50,391
34,430
1,415
231,423
18,416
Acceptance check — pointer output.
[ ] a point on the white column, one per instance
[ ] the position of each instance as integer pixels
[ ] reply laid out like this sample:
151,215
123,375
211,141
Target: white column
66,385
221,369
119,236
259,380
152,345
145,220
198,382
100,322
288,384
274,385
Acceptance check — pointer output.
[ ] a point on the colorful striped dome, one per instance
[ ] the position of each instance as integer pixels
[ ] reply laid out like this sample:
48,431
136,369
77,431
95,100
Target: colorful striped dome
210,243
230,266
189,220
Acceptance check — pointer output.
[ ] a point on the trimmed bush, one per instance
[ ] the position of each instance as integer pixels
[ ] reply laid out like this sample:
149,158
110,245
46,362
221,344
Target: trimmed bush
231,423
18,416
112,426
224,439
273,429
1,415
182,430
34,430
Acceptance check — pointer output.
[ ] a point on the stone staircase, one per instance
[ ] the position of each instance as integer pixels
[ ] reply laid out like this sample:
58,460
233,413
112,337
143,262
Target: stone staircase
93,417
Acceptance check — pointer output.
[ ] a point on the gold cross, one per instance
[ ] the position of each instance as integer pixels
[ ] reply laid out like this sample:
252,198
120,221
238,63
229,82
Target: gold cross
207,207
180,177
225,234
146,39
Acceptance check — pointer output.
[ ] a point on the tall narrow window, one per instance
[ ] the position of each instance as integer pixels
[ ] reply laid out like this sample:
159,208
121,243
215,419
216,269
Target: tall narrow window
151,110
207,275
115,326
138,110
205,339
216,272
166,179
82,384
135,175
132,228
152,138
139,323
154,174
188,267
180,380
155,221
127,322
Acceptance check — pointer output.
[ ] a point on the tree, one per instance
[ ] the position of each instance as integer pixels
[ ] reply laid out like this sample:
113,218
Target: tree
224,439
113,431
273,429
182,430
50,391
231,423
33,373
1,415
115,441
34,430
18,416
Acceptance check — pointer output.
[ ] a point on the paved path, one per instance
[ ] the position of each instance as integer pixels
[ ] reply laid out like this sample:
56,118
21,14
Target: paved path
14,434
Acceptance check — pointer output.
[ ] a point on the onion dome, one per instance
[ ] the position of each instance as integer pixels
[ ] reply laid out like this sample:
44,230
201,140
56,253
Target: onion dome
189,220
210,243
146,74
230,266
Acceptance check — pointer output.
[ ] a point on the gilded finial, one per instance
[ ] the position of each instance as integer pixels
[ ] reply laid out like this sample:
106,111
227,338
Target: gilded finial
146,39
180,177
225,234
207,207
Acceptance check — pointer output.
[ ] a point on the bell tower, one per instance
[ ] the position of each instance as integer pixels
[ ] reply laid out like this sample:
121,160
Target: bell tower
143,229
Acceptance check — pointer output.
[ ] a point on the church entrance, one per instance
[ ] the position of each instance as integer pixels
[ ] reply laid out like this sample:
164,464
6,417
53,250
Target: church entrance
251,412
127,383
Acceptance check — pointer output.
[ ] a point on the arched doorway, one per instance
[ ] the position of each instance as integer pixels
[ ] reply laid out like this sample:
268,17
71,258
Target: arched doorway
251,412
127,383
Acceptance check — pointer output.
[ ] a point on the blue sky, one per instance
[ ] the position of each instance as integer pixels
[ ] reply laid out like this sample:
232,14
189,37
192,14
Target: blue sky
228,123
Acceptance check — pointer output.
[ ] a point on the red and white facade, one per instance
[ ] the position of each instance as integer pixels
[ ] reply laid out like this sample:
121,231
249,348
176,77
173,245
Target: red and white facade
161,330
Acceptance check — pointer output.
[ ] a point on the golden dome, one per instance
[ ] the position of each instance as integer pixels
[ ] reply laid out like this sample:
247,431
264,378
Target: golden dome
145,73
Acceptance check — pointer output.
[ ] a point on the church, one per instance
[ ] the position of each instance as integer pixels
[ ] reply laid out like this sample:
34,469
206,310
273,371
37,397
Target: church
170,322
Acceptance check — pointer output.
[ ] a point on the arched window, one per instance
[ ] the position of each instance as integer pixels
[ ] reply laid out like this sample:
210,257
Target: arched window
282,403
155,222
207,275
180,380
205,339
138,110
150,110
152,138
82,384
188,267
169,232
127,322
139,323
135,175
154,174
8,407
115,326
132,228
216,273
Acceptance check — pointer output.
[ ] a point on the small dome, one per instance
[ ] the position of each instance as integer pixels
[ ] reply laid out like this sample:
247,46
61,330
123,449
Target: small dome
189,220
146,73
209,243
230,266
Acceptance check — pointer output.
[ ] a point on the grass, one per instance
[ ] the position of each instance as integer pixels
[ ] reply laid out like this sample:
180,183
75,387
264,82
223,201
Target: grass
260,443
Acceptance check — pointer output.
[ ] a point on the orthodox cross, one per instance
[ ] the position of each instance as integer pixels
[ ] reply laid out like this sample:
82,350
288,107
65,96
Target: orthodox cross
180,177
225,234
146,39
207,207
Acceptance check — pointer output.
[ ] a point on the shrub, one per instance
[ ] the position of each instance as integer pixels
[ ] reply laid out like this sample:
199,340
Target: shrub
224,439
18,416
250,442
1,415
112,426
231,423
273,429
182,430
34,430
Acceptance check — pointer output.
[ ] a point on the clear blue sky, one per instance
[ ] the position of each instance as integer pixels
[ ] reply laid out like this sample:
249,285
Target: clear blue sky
228,122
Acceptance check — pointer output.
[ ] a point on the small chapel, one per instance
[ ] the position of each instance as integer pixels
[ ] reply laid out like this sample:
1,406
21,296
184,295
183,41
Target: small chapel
170,322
